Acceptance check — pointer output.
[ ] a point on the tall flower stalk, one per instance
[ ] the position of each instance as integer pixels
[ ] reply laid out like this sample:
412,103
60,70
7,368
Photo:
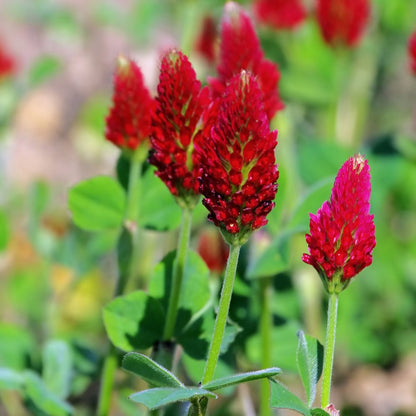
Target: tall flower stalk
238,181
177,128
128,126
341,241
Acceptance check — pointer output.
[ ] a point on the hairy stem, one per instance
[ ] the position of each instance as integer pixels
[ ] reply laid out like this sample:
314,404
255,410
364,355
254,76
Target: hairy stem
224,306
266,326
329,349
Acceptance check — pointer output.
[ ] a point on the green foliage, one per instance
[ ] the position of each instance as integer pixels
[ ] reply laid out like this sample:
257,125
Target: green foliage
282,398
57,368
162,396
220,383
43,69
41,399
133,321
309,360
4,231
97,204
150,371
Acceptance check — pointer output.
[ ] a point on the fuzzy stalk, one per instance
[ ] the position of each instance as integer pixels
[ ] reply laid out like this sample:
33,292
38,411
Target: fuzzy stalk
329,349
266,326
222,314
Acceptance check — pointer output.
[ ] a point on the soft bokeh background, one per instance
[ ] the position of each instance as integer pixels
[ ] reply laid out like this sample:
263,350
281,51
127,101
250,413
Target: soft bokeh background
55,278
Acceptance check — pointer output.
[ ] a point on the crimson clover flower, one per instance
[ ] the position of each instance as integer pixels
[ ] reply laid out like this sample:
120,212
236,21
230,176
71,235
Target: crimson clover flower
341,237
178,126
280,14
412,52
342,22
240,49
7,63
128,124
238,170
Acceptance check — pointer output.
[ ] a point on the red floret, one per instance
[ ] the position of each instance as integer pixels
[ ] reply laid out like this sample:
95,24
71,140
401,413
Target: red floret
341,238
238,169
128,124
178,125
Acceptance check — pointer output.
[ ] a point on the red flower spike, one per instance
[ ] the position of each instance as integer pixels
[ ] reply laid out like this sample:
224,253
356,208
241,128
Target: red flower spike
238,170
342,22
128,124
412,52
240,49
341,237
7,64
280,14
206,41
178,127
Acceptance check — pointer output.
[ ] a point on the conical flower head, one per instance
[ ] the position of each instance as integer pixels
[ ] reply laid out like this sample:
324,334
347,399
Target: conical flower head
342,22
238,169
412,52
341,238
280,14
128,124
240,49
178,127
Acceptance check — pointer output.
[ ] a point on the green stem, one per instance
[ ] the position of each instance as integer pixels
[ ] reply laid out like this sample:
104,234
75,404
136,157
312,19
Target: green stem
224,306
131,225
107,380
266,326
329,349
177,274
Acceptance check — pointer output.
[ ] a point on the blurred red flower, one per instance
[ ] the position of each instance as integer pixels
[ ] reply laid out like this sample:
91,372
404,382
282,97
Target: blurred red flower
213,250
177,126
207,39
412,52
240,49
128,124
238,170
280,14
7,63
341,237
342,22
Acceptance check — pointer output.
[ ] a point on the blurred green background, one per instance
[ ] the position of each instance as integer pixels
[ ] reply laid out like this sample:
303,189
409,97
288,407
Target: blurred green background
55,278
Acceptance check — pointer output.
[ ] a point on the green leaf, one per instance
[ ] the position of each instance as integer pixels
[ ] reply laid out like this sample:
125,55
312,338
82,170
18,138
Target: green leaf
284,346
282,398
195,293
319,412
10,379
273,260
4,231
309,360
149,370
155,398
134,321
240,378
43,399
158,208
44,68
16,344
310,203
57,368
97,203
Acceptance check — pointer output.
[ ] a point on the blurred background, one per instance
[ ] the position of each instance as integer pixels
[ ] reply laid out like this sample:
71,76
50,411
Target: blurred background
55,278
